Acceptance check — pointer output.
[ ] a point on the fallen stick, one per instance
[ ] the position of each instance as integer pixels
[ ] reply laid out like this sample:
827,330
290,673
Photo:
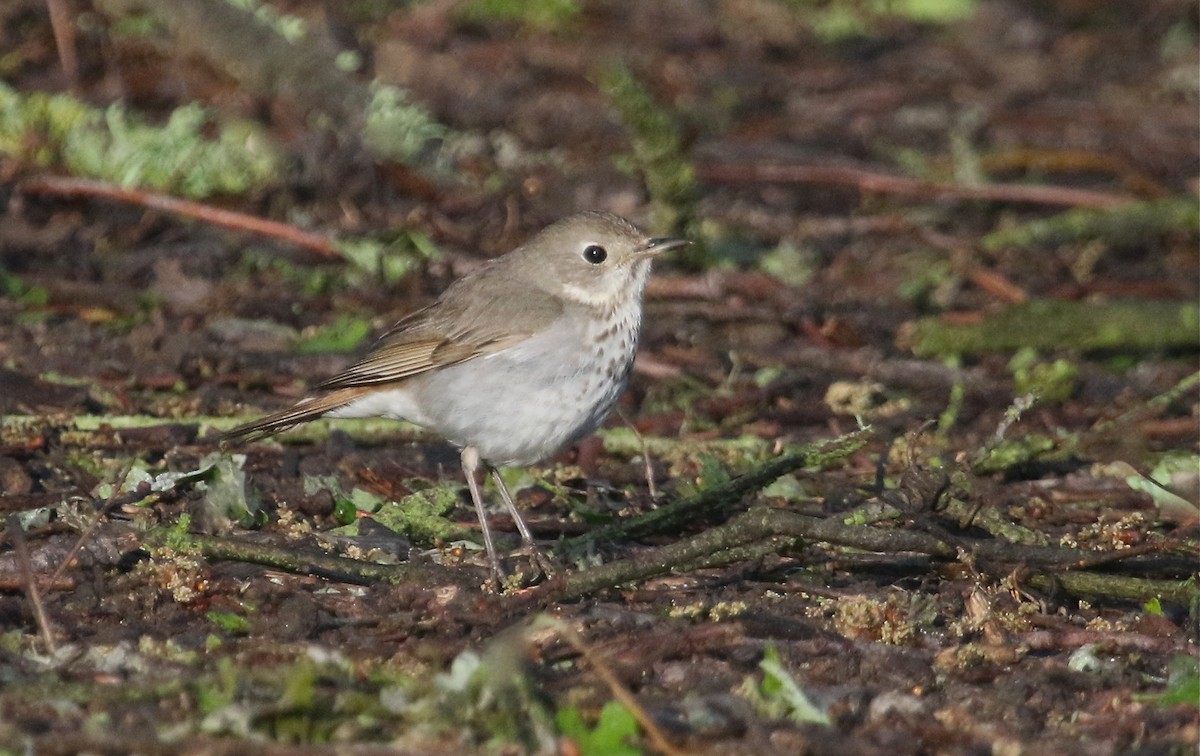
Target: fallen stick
63,186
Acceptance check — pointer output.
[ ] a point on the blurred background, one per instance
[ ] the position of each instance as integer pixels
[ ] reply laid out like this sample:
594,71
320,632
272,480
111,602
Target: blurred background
970,224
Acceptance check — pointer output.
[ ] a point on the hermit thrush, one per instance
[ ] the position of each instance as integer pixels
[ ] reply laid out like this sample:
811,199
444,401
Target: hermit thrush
514,361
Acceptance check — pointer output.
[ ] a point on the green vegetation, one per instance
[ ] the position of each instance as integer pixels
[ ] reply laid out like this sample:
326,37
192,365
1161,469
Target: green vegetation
778,695
849,19
288,63
791,263
492,694
226,498
1183,684
1171,484
1010,453
658,157
292,28
1123,325
542,15
28,296
387,260
614,729
342,335
1130,224
397,128
178,157
234,624
421,515
1051,382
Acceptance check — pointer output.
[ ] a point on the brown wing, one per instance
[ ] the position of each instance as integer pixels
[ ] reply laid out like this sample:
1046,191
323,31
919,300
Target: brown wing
476,316
412,349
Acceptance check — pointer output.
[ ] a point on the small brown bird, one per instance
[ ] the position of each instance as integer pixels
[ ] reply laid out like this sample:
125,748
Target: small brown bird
516,360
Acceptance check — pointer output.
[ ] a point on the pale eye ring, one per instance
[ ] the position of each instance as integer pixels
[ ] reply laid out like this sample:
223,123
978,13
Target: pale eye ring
595,254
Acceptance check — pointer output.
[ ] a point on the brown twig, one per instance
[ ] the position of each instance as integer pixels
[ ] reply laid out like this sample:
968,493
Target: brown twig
647,465
679,513
1071,639
992,281
10,582
658,740
881,183
761,523
16,536
64,40
79,187
309,562
1072,161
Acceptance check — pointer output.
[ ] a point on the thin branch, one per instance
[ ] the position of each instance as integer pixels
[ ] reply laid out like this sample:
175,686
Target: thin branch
307,562
16,536
64,40
740,538
881,183
658,740
141,493
677,513
647,464
10,582
1113,587
78,187
761,523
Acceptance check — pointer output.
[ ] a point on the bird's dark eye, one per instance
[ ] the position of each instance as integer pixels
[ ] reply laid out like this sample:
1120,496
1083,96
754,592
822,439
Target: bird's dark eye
595,254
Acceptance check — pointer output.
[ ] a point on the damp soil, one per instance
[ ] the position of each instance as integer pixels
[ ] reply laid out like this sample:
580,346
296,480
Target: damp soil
144,621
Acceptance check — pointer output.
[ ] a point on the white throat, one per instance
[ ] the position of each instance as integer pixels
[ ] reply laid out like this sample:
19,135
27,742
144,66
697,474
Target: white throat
611,291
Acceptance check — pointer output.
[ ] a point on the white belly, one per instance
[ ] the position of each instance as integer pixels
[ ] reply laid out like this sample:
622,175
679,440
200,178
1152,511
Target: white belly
525,403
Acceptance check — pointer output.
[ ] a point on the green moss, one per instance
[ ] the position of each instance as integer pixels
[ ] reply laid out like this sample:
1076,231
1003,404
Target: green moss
535,14
400,129
178,538
1135,325
778,695
1051,382
1011,453
612,733
657,143
840,20
179,157
342,335
422,516
1131,224
231,623
387,260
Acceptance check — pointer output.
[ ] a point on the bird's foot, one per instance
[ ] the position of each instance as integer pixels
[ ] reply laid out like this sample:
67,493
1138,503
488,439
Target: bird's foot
542,565
534,568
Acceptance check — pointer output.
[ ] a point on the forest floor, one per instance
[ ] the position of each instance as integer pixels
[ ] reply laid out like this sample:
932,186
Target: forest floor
908,463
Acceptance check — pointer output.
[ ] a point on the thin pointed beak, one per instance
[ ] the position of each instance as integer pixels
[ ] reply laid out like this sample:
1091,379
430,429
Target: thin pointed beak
655,247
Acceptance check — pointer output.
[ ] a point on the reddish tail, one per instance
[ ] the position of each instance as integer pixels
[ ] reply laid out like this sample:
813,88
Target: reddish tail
301,412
